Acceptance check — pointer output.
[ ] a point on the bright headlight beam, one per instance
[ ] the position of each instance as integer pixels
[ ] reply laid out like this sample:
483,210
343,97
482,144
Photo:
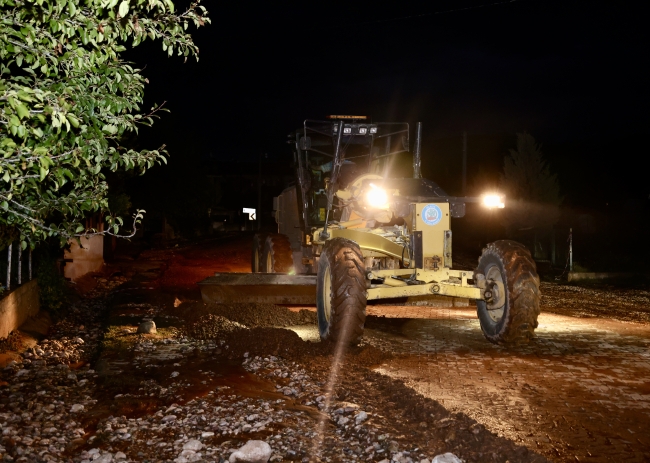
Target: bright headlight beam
377,197
493,201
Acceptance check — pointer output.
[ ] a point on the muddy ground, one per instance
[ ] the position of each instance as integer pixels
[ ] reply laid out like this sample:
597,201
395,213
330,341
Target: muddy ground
428,380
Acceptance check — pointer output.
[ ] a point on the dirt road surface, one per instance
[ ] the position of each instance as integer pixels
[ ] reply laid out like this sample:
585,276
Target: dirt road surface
426,377
580,391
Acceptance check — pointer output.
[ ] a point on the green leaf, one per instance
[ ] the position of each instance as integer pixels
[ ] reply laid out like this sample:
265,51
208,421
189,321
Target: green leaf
23,95
22,111
124,8
73,120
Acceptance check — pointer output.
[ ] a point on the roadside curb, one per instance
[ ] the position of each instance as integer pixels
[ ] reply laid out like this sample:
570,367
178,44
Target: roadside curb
576,276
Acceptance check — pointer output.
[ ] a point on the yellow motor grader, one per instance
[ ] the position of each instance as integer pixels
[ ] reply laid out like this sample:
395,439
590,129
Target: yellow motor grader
348,233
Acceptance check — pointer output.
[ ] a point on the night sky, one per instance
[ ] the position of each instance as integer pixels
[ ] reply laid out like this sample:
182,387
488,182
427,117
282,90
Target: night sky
573,74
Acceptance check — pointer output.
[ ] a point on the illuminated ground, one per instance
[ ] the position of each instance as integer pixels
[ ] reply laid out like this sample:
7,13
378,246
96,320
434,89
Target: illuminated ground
580,390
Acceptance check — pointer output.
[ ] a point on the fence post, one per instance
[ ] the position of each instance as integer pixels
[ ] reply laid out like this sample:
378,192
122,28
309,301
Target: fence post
20,264
9,266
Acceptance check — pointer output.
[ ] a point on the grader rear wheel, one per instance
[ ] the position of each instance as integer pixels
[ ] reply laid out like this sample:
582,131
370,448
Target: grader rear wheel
509,318
256,252
341,292
277,256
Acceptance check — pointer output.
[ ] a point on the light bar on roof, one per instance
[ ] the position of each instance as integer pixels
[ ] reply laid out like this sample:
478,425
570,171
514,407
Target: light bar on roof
347,117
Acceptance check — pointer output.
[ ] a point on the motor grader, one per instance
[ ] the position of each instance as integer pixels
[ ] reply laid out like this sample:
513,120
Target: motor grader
348,233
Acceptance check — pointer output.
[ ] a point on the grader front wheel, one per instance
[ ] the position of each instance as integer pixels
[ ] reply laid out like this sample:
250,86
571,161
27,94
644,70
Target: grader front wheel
511,317
341,292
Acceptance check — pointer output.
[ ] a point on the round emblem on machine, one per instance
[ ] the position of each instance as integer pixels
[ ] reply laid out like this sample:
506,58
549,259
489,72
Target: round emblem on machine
431,214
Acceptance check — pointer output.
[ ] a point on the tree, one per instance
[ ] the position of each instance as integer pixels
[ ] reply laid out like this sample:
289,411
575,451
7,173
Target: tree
532,192
67,99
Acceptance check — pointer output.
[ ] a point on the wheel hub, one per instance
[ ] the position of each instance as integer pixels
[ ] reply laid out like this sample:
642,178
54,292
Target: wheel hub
327,299
497,298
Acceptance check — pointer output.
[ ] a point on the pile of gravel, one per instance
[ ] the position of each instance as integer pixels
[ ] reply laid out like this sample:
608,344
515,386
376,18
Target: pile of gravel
212,327
254,315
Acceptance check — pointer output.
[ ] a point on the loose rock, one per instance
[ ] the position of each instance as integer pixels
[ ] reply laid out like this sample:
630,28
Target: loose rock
147,327
446,458
254,451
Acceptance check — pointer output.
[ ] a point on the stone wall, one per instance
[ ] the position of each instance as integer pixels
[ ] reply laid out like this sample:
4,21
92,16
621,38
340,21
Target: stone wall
18,306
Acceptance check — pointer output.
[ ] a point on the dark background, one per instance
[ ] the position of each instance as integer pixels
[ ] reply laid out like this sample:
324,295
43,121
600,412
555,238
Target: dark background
572,74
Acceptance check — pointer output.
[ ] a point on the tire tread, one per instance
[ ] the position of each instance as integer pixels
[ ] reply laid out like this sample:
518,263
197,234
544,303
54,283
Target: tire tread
523,297
348,304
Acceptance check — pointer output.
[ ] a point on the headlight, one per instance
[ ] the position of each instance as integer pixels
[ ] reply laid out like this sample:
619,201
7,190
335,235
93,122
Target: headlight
492,201
377,197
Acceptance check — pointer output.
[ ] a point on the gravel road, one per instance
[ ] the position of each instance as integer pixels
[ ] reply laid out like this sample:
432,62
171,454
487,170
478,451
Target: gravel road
423,383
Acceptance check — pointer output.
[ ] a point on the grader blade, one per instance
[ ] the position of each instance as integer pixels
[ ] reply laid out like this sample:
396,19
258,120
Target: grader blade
271,288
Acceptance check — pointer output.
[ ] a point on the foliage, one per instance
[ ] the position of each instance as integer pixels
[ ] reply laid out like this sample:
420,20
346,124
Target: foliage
67,99
51,284
532,192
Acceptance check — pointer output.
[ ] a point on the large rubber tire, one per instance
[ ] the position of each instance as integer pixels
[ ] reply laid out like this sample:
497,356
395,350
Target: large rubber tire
277,256
514,321
256,252
341,292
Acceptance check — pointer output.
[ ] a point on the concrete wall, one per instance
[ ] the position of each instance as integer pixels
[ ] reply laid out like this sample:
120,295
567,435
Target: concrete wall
90,258
17,307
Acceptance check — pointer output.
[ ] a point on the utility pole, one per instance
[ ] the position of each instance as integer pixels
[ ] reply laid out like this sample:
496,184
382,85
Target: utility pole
417,153
570,249
464,162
